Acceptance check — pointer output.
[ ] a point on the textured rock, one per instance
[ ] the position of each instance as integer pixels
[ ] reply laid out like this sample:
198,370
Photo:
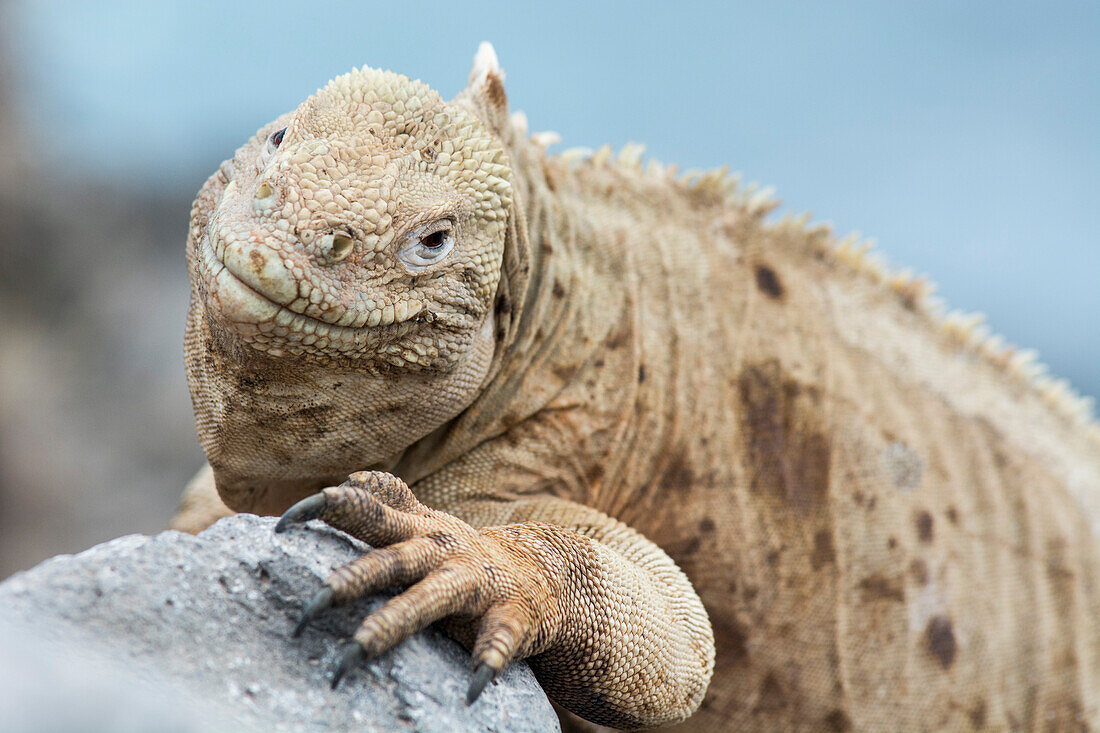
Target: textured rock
175,632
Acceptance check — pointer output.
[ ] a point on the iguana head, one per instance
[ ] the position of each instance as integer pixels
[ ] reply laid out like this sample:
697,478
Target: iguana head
367,224
344,266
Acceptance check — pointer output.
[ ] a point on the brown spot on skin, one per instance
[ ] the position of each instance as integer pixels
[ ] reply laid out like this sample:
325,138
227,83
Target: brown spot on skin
558,290
1058,567
564,372
257,261
953,515
706,525
880,588
977,715
768,282
923,522
940,639
313,411
677,476
772,695
919,570
892,542
247,381
837,721
641,373
495,91
772,557
824,552
683,551
789,454
730,638
617,339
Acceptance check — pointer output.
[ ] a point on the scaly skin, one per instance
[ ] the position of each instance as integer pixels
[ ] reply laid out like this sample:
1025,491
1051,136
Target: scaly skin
604,366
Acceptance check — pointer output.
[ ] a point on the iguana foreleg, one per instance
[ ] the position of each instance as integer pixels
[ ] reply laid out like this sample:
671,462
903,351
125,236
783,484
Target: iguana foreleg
610,625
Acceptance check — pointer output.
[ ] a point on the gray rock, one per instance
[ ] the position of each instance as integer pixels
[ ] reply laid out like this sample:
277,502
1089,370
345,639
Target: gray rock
182,633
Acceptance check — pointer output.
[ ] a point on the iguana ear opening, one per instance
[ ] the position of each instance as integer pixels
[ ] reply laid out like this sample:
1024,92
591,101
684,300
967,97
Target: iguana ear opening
485,91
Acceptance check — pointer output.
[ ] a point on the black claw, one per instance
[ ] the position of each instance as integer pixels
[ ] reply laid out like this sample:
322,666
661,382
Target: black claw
483,675
353,654
305,510
321,602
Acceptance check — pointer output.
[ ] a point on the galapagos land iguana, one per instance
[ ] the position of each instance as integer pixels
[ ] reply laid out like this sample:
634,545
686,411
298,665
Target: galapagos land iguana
608,419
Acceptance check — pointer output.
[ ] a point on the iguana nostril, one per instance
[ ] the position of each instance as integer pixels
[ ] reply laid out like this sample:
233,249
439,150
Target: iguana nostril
265,191
336,246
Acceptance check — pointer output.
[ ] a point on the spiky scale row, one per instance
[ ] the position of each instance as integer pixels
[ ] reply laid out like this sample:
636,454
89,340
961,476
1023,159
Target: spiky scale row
916,292
968,332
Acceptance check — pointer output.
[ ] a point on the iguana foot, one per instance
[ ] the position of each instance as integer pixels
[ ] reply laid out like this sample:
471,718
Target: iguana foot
452,570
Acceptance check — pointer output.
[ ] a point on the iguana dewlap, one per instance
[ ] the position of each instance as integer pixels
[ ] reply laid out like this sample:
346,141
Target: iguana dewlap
614,423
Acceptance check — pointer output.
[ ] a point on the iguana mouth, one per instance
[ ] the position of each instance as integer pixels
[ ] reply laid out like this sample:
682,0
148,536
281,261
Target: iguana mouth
248,299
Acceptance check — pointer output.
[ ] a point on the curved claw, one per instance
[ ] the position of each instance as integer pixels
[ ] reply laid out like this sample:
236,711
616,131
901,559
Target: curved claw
321,602
305,510
483,675
353,654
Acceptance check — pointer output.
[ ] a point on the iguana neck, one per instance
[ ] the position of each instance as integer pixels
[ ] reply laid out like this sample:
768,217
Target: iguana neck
543,338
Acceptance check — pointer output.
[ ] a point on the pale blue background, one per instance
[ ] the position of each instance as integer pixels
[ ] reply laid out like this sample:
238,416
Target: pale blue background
962,136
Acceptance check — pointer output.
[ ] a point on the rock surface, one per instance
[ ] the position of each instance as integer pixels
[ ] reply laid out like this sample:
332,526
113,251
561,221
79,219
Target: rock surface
181,633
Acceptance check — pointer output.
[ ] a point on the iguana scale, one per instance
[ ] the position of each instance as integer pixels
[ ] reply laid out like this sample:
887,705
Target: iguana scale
612,421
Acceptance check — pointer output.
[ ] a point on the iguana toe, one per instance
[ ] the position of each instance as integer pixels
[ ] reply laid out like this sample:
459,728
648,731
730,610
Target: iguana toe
495,604
353,654
309,508
483,675
323,601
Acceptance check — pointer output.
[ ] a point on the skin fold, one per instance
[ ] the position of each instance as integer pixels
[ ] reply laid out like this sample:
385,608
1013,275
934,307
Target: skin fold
614,423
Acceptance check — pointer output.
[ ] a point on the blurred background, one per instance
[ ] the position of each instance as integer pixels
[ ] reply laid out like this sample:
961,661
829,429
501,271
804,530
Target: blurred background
962,137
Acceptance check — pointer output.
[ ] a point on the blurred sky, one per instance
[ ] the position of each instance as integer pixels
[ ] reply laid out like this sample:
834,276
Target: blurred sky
963,137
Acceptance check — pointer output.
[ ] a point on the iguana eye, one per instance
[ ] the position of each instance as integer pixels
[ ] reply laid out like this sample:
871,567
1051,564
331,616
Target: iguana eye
274,140
436,239
428,244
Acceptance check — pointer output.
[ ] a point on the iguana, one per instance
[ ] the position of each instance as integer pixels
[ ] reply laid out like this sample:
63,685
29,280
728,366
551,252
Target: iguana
614,422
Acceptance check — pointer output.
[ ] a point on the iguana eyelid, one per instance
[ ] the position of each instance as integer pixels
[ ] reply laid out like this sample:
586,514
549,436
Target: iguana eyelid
416,255
274,140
